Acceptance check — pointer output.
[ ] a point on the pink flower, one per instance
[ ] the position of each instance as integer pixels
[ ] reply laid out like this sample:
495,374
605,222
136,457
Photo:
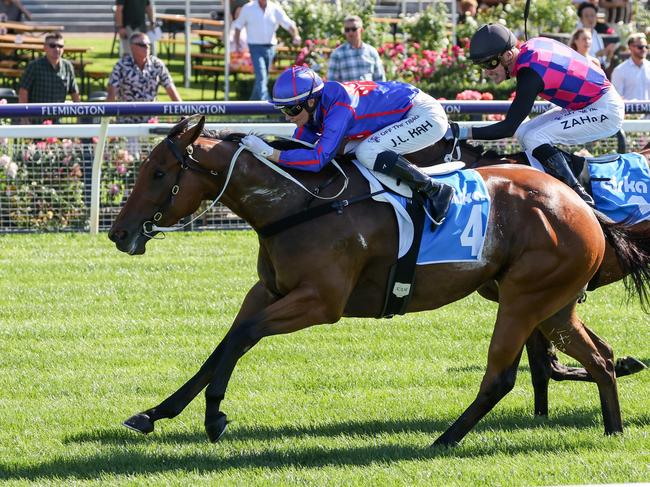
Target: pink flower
468,95
47,122
51,140
3,101
41,145
153,120
115,189
487,96
121,169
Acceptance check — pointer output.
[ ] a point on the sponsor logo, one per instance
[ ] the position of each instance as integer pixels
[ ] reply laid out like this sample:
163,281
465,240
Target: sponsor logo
626,185
468,197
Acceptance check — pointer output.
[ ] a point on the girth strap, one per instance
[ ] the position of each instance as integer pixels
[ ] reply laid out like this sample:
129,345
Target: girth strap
401,277
310,214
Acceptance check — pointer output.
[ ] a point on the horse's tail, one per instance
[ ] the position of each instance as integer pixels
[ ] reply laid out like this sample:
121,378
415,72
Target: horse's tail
632,248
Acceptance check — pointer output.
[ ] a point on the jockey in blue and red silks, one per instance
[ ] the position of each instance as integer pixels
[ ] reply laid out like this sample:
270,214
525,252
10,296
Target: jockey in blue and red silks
379,121
588,106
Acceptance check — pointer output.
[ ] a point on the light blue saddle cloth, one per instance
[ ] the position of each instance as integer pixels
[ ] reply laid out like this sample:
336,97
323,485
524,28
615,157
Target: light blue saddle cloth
620,187
461,236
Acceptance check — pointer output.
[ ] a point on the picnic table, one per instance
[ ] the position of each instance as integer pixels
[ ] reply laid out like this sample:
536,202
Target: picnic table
193,20
25,27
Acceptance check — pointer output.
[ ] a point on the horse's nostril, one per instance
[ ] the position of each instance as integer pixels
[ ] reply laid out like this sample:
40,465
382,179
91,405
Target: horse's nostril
117,235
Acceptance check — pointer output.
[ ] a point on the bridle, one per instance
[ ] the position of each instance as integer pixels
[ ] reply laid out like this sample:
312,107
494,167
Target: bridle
187,162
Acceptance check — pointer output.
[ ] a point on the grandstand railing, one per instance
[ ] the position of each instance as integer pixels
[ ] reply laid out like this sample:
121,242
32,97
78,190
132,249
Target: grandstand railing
76,177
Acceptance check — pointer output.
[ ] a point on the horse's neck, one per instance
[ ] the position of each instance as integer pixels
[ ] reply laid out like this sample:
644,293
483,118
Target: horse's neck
255,192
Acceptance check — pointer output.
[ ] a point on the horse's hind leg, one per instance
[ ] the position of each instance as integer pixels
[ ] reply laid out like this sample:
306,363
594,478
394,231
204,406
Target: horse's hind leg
573,338
544,366
510,333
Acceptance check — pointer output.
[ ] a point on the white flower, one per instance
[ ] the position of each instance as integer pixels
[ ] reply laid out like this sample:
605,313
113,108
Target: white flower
4,160
11,170
507,7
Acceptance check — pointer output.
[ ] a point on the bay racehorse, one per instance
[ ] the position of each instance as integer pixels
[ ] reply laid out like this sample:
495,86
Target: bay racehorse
543,245
544,363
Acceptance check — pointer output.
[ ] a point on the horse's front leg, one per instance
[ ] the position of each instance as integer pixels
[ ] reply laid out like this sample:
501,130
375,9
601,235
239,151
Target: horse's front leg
303,307
256,300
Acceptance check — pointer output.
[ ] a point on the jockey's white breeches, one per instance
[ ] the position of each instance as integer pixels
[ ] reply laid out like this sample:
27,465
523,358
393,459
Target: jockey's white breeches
423,125
602,118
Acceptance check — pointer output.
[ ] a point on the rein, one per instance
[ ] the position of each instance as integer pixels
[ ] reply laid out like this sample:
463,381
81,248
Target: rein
187,161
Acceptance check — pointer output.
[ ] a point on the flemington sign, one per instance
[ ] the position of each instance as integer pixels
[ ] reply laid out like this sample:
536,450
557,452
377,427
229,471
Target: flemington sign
114,109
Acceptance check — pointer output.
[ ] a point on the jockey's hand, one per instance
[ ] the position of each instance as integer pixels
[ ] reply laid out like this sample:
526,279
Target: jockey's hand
257,146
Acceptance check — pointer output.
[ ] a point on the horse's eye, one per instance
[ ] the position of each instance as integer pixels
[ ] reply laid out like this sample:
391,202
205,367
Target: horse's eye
158,174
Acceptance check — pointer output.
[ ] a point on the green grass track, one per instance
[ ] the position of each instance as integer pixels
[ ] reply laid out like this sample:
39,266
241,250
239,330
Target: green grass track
90,336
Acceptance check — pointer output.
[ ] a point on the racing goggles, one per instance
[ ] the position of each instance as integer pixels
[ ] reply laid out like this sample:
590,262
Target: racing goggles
292,110
490,63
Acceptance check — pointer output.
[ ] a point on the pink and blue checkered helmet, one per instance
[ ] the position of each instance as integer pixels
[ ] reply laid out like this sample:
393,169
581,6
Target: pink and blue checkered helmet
296,85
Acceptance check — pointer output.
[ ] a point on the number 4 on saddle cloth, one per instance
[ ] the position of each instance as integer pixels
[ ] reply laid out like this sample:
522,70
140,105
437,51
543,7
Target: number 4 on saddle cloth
620,185
461,236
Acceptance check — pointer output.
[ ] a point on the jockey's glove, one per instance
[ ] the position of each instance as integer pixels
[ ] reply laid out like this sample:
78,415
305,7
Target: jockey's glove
257,146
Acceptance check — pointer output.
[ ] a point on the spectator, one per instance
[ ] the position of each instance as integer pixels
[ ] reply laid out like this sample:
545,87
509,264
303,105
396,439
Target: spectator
261,19
587,13
130,18
355,60
12,10
49,79
616,11
581,42
631,78
137,76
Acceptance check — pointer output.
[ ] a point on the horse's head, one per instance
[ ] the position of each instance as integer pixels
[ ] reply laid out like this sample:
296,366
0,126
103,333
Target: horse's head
170,186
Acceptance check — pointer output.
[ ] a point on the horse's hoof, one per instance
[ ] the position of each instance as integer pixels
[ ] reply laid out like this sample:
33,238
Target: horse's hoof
140,422
215,428
629,366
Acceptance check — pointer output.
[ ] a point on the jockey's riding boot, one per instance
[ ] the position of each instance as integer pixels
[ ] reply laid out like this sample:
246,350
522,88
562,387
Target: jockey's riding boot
440,194
557,166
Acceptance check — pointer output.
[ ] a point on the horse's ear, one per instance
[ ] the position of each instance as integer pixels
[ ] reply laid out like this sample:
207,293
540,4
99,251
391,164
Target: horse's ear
193,127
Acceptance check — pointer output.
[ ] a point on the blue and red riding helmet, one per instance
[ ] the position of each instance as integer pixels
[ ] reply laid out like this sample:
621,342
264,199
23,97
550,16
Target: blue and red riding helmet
296,85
